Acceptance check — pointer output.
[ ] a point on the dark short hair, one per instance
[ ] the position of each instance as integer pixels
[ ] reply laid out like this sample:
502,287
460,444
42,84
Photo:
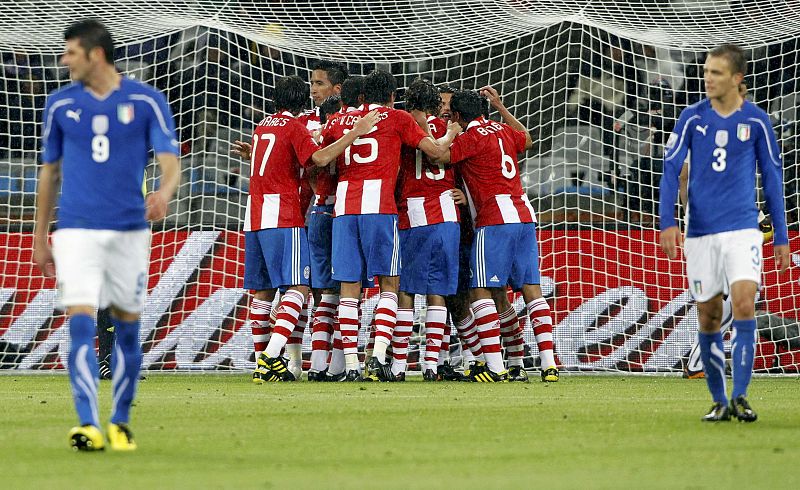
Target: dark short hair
337,72
422,95
91,34
329,106
446,88
379,87
291,94
468,103
352,90
735,56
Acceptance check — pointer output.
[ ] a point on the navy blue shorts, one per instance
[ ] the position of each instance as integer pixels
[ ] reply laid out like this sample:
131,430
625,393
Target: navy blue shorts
276,257
365,245
505,255
430,259
320,235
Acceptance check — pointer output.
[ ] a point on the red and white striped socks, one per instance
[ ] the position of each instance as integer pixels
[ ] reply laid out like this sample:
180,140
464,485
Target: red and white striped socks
258,318
322,331
385,320
348,326
470,343
488,325
285,322
434,331
511,332
337,354
542,324
400,338
294,347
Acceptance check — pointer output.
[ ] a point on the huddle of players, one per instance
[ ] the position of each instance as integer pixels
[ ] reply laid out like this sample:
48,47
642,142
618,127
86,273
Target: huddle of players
385,187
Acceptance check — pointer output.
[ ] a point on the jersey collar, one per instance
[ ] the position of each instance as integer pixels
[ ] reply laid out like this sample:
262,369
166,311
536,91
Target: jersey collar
287,114
475,122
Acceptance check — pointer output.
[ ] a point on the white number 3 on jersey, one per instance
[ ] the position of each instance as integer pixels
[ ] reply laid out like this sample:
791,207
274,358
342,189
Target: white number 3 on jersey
720,163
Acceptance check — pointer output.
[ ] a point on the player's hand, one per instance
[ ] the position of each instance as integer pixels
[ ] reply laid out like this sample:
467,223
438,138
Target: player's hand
453,127
669,241
156,206
458,196
782,257
365,124
43,257
492,96
242,149
316,135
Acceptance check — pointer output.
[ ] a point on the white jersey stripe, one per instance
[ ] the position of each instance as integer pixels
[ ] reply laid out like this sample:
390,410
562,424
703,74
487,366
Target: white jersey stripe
674,150
449,212
341,194
530,207
247,214
775,162
161,121
416,211
507,208
270,210
50,115
371,196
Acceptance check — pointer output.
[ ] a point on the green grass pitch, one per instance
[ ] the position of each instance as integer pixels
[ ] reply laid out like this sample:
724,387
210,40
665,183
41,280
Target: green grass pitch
221,431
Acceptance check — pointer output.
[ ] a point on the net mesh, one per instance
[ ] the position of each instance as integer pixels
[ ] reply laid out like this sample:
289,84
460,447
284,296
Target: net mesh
599,84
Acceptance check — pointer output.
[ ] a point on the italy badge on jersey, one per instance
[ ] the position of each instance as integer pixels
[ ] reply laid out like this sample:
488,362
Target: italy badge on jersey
743,132
125,113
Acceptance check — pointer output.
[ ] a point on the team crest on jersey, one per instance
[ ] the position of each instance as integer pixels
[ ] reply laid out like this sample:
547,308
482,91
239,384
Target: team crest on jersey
125,113
100,124
721,138
743,132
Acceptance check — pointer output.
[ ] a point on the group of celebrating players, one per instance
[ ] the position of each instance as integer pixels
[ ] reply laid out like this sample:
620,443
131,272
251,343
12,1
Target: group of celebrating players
356,192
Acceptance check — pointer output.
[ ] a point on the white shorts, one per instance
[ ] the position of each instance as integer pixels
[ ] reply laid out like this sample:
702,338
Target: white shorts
102,267
714,262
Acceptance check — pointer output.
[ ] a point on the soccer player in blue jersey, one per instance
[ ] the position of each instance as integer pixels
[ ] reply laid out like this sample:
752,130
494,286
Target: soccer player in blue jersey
96,138
730,139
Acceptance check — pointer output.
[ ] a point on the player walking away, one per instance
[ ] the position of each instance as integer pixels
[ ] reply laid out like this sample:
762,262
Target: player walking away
365,239
429,237
276,246
729,138
325,332
504,249
96,137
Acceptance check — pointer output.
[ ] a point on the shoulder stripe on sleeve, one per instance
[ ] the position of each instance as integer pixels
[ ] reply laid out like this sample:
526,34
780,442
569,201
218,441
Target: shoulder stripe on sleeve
777,163
51,113
157,110
680,141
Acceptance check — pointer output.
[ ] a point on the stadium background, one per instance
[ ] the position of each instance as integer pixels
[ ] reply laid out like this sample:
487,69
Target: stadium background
598,84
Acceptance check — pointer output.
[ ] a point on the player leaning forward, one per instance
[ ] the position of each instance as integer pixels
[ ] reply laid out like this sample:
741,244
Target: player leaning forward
730,139
96,137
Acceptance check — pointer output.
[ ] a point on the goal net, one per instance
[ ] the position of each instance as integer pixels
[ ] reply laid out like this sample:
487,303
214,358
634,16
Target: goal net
599,85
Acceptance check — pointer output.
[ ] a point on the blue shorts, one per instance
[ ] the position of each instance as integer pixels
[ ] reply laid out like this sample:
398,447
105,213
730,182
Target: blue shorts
320,230
430,259
365,245
504,255
276,257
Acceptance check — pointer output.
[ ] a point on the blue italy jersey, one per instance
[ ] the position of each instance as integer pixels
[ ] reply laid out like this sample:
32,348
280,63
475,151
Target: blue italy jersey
103,146
724,154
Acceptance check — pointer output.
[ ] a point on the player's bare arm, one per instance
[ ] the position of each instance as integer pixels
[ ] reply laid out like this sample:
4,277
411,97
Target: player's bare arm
439,150
158,201
363,126
494,99
49,177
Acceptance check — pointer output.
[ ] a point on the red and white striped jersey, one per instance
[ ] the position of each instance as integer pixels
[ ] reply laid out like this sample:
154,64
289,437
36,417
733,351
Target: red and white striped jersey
424,187
368,171
281,148
327,178
486,154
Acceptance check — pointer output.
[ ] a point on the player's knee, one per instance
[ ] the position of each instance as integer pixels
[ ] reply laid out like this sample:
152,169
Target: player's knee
743,308
80,310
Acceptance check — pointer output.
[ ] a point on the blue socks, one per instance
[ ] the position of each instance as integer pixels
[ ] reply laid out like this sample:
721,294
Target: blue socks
126,362
743,352
713,354
83,368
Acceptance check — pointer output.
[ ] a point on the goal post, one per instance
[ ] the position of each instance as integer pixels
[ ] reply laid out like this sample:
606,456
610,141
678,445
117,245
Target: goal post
598,84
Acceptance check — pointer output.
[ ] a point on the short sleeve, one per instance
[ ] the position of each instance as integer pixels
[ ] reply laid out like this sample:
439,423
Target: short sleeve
520,139
462,148
410,132
52,137
161,126
303,144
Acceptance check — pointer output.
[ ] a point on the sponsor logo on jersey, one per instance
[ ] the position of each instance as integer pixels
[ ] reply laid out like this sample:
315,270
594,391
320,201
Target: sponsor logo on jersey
702,129
743,132
74,115
721,138
125,113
